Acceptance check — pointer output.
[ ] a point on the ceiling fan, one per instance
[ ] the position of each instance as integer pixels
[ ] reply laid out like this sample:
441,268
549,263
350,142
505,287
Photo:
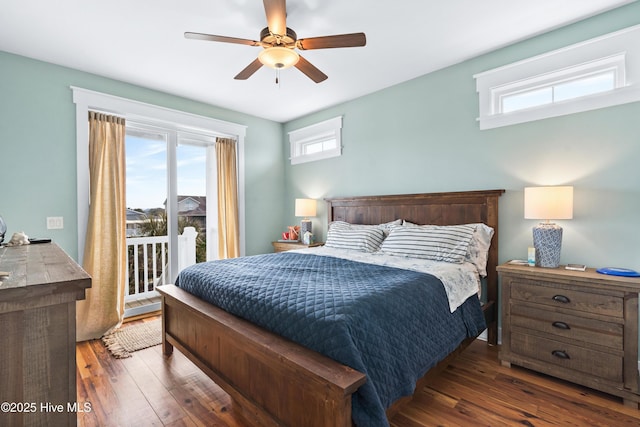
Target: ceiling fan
279,43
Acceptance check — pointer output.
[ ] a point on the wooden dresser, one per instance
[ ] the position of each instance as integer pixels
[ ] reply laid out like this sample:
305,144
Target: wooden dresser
38,335
578,326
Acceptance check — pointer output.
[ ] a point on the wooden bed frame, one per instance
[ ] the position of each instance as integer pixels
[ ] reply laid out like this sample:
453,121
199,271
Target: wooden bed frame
275,382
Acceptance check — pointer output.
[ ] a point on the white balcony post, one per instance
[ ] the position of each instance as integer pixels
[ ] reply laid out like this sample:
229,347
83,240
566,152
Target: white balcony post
187,248
146,270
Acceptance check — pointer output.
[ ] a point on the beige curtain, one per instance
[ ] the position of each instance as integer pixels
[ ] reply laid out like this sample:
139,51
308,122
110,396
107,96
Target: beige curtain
105,246
228,231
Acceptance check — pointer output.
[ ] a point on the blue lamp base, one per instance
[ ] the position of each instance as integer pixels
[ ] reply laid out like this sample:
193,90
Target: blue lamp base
547,239
305,225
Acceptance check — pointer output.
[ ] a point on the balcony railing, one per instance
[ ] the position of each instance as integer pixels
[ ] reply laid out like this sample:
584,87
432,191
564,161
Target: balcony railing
147,260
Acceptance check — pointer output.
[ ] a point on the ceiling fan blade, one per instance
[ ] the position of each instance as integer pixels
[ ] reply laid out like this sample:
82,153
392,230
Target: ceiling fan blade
276,11
249,70
328,42
310,70
223,39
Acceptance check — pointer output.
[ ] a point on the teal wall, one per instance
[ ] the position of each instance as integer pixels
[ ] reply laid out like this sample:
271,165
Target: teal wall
38,150
422,136
419,136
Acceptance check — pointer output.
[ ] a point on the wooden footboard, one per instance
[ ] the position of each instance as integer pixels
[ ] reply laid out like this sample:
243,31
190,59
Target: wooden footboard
273,381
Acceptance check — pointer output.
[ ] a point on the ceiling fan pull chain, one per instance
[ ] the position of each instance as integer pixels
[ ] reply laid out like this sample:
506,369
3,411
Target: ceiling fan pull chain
278,78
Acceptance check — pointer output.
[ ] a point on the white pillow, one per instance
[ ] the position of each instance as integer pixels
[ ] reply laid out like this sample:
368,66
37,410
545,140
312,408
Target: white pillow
479,247
357,239
438,243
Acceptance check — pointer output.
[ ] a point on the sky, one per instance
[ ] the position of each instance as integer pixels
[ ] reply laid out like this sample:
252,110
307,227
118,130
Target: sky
147,171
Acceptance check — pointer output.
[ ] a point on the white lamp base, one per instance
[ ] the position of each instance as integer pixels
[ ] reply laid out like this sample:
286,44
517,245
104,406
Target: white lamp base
547,239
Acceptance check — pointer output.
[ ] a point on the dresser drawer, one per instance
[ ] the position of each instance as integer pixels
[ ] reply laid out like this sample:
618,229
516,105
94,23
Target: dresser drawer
568,327
552,295
584,360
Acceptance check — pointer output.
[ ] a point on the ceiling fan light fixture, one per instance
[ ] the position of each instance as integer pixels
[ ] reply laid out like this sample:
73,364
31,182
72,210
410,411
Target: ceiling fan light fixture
278,57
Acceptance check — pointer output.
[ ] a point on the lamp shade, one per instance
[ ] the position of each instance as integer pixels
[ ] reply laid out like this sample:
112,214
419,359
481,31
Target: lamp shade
278,57
305,207
548,202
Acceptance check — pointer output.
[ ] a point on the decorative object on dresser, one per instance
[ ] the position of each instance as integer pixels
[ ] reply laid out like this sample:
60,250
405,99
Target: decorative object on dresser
287,246
38,338
580,326
305,208
548,203
615,271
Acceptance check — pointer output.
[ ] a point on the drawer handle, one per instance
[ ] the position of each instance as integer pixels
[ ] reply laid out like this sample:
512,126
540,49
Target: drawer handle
561,298
560,354
561,325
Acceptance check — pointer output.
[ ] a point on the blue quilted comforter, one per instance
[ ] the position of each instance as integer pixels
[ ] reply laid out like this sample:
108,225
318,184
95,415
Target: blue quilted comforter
390,324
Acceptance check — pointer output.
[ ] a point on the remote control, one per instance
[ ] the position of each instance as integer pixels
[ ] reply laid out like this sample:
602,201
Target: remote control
34,241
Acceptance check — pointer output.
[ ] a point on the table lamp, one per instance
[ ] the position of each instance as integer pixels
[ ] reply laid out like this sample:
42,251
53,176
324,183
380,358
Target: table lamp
305,208
548,203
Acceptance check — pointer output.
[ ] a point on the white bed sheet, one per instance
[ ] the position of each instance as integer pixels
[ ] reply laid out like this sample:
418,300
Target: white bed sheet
460,280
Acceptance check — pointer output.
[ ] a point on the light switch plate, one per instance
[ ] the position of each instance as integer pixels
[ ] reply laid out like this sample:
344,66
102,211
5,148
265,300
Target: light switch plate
55,223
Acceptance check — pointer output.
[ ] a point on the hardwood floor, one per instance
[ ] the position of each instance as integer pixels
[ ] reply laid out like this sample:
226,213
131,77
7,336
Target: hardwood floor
150,390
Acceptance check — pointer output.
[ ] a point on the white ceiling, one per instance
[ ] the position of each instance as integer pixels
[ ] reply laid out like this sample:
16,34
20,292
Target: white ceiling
142,42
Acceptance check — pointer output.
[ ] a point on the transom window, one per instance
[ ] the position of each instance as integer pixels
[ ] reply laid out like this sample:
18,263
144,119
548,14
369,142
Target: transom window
564,90
323,143
316,142
597,73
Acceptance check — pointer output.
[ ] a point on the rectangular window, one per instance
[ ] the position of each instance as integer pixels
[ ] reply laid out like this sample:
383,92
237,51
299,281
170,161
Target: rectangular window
316,142
526,99
597,73
583,85
314,147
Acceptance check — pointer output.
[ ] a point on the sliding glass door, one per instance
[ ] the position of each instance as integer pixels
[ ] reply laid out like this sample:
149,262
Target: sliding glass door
171,204
196,192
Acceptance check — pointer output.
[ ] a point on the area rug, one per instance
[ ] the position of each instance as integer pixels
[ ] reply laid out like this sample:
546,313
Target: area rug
130,338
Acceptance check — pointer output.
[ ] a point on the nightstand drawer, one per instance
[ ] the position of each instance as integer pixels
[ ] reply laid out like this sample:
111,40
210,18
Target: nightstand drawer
595,363
551,295
568,326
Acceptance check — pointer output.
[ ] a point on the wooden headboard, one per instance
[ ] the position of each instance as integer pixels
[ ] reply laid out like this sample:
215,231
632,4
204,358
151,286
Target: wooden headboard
453,208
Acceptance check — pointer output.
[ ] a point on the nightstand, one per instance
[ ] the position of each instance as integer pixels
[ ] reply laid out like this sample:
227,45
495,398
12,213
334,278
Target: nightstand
578,326
287,246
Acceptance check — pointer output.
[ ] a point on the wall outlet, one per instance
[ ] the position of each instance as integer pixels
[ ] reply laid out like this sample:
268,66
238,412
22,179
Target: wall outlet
55,223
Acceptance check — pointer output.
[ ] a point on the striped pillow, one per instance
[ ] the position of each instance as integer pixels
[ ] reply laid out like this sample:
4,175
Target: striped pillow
438,243
357,239
385,227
